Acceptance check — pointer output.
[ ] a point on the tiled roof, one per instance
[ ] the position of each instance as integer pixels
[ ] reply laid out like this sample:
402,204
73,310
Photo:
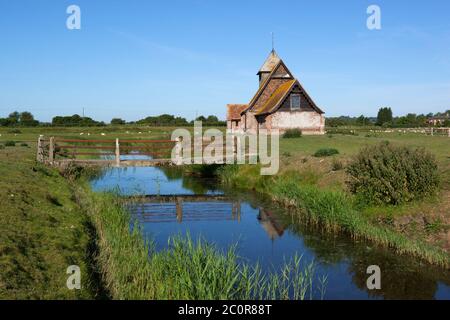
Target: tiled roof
270,63
269,98
234,111
276,98
261,88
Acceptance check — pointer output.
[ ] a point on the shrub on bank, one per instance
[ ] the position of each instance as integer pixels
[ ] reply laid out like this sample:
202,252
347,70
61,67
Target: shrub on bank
326,152
387,174
332,210
10,144
292,133
336,165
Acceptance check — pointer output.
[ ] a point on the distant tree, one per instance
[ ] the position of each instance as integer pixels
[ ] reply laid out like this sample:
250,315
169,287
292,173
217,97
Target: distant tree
201,118
362,121
13,118
384,116
27,119
117,121
212,119
75,121
4,122
163,120
14,115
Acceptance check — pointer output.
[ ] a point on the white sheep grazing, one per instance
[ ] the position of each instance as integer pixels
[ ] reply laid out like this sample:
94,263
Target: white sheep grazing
89,134
140,132
102,134
81,133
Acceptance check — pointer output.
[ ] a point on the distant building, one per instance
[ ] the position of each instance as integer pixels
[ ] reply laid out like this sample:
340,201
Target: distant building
438,121
280,103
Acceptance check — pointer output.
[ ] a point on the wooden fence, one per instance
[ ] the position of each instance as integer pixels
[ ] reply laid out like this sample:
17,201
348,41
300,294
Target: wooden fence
110,152
439,131
54,150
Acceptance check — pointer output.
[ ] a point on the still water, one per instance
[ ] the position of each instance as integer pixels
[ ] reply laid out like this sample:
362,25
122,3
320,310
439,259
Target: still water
267,234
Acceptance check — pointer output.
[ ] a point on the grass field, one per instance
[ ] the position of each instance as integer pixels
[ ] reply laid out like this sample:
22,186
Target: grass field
49,223
44,230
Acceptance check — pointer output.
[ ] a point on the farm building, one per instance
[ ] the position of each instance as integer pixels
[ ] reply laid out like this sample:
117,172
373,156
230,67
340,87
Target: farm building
438,121
279,103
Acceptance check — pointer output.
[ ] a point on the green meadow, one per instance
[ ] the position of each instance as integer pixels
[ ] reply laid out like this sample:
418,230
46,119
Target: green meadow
50,221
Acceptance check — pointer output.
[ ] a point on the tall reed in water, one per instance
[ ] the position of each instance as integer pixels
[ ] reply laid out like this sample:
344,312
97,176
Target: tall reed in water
335,211
132,269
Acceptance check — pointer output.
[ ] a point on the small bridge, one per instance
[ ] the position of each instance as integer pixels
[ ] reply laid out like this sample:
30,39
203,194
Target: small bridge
179,208
117,152
189,208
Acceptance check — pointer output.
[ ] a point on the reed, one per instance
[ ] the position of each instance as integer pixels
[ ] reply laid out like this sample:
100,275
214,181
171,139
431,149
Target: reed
335,211
131,268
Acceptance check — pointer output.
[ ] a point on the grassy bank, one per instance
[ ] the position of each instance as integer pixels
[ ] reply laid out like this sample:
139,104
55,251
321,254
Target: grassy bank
188,269
50,222
42,232
331,209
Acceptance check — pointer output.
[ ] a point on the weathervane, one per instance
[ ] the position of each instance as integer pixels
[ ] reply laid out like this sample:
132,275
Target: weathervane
273,42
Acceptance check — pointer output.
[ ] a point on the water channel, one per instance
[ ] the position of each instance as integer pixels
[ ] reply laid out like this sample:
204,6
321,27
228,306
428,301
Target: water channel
267,234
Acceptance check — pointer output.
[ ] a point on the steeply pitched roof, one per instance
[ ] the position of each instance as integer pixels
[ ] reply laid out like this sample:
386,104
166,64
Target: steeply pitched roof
272,60
234,111
263,86
273,100
276,98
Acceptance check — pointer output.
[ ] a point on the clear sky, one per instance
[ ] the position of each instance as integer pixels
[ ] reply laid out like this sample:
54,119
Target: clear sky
132,59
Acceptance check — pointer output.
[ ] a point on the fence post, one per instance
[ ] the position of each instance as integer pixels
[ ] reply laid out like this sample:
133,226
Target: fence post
117,152
178,159
51,150
40,151
179,209
432,131
448,131
235,148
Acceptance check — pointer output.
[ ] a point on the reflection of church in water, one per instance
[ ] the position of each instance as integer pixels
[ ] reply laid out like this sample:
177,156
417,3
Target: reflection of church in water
189,208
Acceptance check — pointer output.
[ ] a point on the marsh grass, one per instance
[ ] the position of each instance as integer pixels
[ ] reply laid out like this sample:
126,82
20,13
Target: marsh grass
131,268
334,211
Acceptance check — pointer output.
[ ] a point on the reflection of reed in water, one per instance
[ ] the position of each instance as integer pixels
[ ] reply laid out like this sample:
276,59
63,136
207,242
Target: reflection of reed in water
185,208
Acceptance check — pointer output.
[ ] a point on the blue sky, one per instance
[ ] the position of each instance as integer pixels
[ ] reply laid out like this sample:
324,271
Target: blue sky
132,59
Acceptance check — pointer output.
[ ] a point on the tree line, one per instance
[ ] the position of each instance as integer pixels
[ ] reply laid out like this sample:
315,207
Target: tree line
385,118
16,118
26,119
